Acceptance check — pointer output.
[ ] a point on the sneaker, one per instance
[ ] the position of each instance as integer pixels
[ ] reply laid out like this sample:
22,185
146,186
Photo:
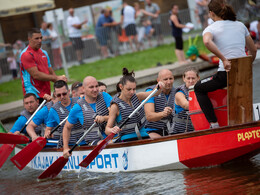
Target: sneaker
214,125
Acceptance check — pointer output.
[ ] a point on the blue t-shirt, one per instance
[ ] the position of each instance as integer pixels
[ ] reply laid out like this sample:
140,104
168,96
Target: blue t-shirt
47,34
76,113
151,100
41,116
103,20
53,117
178,108
18,125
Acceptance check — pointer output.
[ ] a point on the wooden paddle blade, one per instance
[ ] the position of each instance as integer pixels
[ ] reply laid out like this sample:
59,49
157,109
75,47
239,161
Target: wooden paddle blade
55,168
8,138
5,151
22,158
96,151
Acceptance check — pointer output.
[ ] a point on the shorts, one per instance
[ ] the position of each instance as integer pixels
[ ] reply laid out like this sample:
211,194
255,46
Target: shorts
130,30
157,29
148,29
161,132
178,43
14,73
102,40
77,43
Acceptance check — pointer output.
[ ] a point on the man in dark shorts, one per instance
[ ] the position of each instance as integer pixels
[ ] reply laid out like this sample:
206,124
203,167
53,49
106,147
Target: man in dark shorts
74,26
128,21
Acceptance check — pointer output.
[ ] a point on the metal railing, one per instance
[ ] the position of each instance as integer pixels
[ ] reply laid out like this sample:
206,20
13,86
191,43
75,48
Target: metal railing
113,38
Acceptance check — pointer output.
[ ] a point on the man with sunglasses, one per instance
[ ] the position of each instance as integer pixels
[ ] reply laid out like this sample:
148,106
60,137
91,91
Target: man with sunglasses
93,107
77,89
59,111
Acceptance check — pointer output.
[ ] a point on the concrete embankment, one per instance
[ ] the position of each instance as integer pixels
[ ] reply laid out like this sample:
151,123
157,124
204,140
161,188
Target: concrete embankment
148,76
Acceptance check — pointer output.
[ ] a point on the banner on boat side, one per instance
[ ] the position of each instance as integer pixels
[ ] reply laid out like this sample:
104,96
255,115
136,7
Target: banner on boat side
154,156
104,161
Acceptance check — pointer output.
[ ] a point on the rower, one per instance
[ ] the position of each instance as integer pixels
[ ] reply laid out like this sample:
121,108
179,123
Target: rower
40,117
182,122
59,111
159,109
30,103
122,105
77,89
93,107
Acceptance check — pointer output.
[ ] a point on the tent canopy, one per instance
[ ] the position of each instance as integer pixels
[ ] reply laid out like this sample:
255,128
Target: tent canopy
16,7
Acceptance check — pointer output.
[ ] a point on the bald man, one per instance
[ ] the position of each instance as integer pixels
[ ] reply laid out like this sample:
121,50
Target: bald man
93,107
159,109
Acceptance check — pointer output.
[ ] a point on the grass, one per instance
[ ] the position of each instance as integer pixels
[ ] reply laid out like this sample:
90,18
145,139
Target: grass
12,90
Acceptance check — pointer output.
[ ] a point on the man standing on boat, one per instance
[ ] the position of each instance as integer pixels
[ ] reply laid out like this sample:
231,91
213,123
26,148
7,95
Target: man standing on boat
93,107
159,109
30,103
59,111
36,71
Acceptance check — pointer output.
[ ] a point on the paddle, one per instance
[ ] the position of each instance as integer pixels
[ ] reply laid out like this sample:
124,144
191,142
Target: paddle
7,149
22,158
104,143
8,138
56,167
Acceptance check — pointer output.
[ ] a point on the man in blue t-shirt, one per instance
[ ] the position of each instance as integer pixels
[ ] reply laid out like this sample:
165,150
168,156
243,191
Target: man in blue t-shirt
30,103
59,111
102,30
40,117
159,109
92,108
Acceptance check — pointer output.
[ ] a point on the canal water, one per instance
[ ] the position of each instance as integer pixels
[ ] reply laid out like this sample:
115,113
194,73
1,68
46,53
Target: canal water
239,177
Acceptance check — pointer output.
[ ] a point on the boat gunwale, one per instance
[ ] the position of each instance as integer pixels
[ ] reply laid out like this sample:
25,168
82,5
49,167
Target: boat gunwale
162,139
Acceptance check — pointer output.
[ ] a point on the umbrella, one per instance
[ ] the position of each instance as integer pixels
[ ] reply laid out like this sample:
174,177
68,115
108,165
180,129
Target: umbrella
16,7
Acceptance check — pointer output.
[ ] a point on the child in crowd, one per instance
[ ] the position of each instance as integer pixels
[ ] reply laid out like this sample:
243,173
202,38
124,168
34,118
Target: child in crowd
12,63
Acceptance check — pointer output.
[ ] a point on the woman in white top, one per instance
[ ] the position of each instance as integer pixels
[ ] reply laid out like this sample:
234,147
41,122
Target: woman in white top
226,38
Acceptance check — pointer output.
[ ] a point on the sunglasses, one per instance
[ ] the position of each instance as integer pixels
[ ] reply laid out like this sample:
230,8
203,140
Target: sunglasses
77,86
61,94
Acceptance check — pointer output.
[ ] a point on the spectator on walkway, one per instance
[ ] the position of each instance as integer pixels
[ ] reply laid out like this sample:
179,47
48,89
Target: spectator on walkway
255,27
11,59
2,46
103,32
156,21
46,38
202,10
36,71
55,47
128,21
114,33
177,34
17,50
143,25
74,28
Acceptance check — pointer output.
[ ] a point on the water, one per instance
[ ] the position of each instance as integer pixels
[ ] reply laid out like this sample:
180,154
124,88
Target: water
240,177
